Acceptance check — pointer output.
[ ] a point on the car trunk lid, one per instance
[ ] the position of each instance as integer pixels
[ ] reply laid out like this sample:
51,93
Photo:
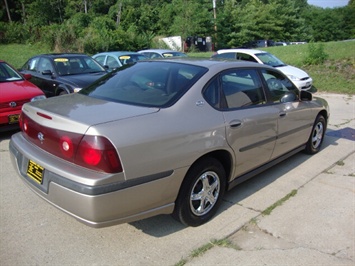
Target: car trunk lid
76,112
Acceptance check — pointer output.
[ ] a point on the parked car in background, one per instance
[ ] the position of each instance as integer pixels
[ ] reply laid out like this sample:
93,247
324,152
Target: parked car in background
59,74
161,53
258,44
15,91
112,60
299,77
163,136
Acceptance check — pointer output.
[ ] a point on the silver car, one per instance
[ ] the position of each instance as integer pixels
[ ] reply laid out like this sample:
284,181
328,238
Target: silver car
163,137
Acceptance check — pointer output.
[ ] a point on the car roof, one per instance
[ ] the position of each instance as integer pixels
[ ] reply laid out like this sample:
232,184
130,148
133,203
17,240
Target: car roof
55,55
236,50
210,62
159,51
118,53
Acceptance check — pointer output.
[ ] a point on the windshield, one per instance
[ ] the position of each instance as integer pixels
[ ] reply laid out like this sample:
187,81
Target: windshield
7,73
152,84
76,65
271,60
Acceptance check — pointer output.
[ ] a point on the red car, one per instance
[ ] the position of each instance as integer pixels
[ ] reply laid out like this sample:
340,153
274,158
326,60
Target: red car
15,90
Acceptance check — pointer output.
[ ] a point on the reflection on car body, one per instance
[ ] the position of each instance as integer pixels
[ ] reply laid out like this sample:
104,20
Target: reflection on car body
163,137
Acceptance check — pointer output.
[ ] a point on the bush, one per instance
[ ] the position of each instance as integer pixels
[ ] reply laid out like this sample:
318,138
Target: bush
316,54
13,32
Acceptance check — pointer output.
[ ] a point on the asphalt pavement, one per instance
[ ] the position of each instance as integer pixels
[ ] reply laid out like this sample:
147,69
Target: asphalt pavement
311,222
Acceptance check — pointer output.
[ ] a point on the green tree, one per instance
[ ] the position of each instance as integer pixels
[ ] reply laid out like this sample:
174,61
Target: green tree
256,19
45,12
328,24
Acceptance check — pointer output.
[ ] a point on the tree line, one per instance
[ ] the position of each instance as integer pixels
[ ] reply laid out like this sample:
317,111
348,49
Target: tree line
101,25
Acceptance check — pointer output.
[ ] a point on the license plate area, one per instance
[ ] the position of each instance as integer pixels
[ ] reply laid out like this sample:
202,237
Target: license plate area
35,172
13,119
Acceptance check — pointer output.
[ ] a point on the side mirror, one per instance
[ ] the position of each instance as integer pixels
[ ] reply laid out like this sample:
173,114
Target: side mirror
27,76
288,97
306,96
47,72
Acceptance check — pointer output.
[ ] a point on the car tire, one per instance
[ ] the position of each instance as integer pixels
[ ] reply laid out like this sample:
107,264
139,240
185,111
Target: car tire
315,140
201,192
63,92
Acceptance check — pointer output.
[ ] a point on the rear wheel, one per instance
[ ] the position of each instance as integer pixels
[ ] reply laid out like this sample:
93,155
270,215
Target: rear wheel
316,138
201,193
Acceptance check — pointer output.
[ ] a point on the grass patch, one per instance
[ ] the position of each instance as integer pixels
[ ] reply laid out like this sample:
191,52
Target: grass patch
279,202
18,54
203,249
340,163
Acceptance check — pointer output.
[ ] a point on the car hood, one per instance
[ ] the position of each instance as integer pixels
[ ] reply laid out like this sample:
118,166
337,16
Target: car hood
81,80
77,112
294,71
18,90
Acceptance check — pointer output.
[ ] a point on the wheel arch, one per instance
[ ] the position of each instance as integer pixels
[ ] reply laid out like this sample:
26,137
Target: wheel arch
224,157
62,88
219,161
324,113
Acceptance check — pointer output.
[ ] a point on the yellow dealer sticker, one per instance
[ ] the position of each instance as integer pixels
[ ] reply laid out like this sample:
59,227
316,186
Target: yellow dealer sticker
124,57
61,59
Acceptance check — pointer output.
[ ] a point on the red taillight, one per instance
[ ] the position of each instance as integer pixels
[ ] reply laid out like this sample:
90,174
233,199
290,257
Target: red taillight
20,122
90,152
98,153
23,121
93,152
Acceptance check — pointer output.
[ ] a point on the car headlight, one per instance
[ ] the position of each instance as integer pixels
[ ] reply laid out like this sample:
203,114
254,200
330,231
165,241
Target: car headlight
37,98
292,77
77,89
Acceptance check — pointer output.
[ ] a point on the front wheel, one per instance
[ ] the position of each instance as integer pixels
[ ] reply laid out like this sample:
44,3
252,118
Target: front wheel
201,193
316,138
63,92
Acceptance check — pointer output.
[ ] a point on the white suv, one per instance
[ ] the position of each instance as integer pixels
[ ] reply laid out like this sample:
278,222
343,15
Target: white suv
299,77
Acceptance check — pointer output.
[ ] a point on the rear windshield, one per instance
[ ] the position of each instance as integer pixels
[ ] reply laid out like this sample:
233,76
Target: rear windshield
153,84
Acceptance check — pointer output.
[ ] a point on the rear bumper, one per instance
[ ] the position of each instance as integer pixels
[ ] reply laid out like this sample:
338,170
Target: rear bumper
101,205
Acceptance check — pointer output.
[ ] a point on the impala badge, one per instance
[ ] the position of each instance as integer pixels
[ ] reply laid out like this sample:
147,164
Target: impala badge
40,136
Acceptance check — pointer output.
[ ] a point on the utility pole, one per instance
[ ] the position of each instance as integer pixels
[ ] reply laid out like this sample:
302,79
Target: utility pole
215,23
118,21
214,14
